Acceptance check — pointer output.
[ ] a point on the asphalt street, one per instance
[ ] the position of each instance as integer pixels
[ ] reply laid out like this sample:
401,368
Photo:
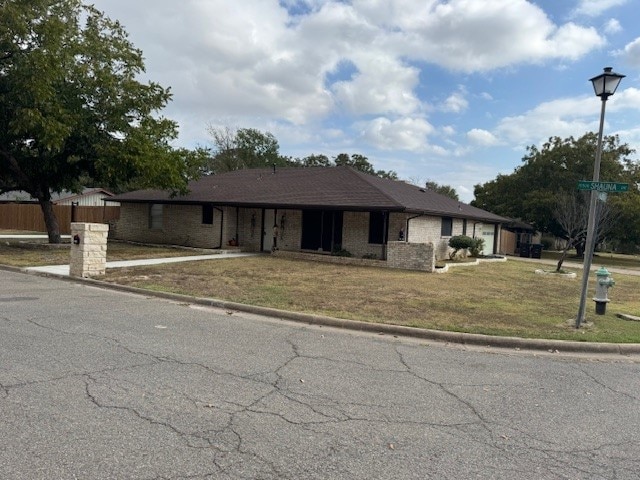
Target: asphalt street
99,384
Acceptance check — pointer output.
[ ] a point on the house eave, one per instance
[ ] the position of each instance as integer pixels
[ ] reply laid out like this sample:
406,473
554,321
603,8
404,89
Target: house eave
268,205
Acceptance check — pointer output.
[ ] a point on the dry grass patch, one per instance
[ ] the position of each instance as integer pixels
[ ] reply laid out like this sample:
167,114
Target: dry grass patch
491,298
34,254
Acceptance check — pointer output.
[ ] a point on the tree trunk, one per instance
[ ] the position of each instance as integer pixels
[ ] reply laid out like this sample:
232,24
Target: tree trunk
580,249
561,260
50,220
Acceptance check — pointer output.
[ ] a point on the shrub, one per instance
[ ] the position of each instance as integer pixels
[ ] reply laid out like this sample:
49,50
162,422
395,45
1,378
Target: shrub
476,248
338,251
460,242
547,243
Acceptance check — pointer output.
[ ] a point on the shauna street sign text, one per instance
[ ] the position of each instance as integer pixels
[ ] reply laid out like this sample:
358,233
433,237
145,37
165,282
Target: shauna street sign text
603,186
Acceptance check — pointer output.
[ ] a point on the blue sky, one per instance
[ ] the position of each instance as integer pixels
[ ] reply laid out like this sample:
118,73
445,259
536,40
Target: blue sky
450,91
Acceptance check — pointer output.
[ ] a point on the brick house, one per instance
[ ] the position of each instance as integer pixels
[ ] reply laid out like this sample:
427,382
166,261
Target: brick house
317,209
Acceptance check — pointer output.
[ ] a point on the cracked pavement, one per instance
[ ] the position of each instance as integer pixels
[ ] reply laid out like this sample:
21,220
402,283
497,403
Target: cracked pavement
97,384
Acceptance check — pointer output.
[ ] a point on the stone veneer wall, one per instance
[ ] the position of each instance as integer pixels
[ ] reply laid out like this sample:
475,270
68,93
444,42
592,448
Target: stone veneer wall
89,254
411,256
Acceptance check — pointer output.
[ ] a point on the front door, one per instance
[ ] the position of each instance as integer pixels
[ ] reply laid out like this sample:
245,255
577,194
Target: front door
268,220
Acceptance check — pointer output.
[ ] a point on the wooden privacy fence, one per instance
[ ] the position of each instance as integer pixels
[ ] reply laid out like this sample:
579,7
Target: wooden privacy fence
22,216
507,242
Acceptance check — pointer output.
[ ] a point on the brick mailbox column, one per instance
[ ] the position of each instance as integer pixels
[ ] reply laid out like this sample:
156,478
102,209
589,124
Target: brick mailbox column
88,249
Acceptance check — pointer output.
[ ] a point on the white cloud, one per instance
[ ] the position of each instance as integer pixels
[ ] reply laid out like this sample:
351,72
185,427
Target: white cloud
593,8
562,118
254,59
612,26
624,99
631,53
468,35
482,137
402,134
486,96
456,102
382,85
448,130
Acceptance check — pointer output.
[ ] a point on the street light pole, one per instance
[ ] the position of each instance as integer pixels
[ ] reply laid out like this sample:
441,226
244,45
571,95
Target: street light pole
604,86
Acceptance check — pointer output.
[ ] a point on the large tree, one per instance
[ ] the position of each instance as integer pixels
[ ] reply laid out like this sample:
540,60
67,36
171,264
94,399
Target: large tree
442,189
532,191
361,163
243,148
72,107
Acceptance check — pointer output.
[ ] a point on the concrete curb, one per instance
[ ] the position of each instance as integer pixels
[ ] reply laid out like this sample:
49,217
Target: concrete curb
426,334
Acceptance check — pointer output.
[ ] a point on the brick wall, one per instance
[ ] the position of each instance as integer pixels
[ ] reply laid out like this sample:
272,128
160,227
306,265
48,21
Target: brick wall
181,225
428,229
326,258
411,256
355,236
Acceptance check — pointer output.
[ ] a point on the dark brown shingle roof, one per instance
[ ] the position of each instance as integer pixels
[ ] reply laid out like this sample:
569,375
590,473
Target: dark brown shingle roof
314,187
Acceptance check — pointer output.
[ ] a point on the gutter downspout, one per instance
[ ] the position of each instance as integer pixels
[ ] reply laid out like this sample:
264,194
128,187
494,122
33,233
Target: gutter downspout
237,226
221,225
385,230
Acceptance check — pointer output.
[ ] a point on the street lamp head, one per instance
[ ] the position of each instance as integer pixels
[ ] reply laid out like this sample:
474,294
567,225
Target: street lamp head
606,83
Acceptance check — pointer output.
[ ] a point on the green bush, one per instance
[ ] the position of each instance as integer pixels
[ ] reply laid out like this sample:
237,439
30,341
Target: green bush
547,243
338,251
460,242
476,248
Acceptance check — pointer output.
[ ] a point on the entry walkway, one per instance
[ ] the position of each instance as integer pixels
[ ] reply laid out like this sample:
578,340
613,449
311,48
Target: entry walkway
64,269
20,236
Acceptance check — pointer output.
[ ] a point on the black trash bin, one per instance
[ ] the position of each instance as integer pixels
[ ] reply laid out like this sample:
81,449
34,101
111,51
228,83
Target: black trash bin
525,250
536,250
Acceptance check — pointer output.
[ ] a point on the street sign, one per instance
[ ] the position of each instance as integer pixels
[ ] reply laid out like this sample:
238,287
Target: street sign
603,186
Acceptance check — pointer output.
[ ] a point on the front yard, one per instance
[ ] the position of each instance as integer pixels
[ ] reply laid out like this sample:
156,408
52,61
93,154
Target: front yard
491,298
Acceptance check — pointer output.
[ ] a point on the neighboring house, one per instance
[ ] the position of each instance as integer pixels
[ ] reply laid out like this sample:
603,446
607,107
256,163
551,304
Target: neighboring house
316,209
90,197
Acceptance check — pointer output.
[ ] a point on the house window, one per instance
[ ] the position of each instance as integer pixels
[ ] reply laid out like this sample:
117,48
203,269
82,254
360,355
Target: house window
446,230
376,227
207,214
155,216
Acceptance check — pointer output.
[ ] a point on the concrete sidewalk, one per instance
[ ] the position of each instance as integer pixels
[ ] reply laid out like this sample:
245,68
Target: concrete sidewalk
18,236
64,269
578,266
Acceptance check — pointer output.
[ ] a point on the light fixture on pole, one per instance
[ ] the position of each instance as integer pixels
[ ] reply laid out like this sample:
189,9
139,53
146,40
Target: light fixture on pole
604,85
